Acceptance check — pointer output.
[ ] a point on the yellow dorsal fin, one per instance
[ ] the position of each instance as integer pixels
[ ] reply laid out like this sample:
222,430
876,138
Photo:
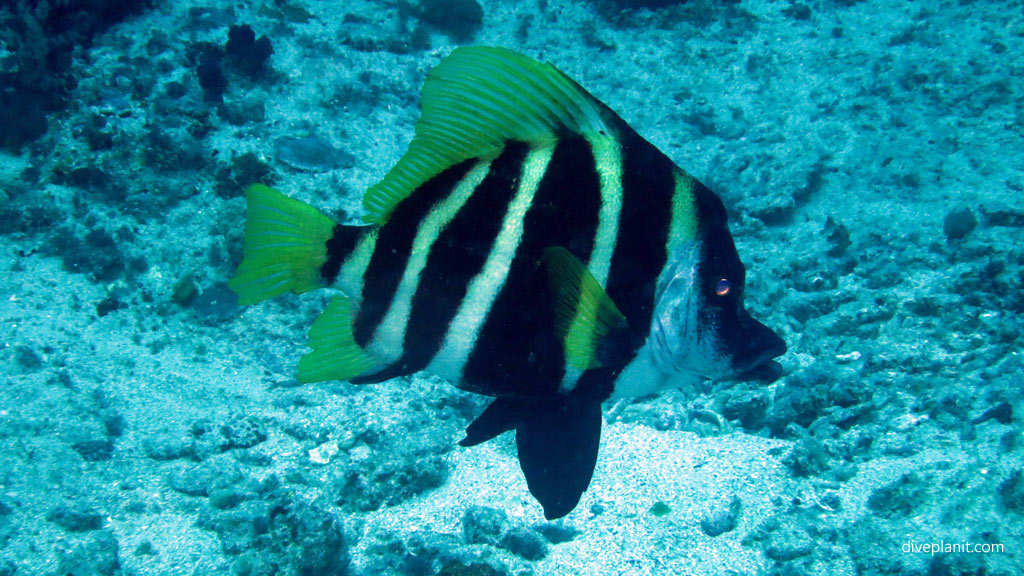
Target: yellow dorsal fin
584,313
474,101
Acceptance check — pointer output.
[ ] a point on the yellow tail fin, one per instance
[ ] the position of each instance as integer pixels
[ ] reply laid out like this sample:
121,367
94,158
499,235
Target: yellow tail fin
285,246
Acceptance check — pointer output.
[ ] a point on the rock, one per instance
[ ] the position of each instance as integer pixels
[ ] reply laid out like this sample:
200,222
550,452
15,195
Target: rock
207,476
216,304
165,447
722,519
94,450
748,407
247,53
808,457
788,545
225,498
557,533
1011,491
374,483
311,153
244,433
460,19
75,520
524,543
901,497
838,237
98,554
1002,413
483,525
958,223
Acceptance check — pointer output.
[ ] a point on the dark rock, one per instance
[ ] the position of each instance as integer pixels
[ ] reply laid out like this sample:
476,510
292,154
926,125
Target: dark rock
798,11
557,533
23,119
166,153
838,237
95,450
429,553
216,304
28,358
649,4
94,180
225,498
243,171
524,543
185,290
1002,413
279,535
460,19
1011,491
659,509
175,89
244,433
1009,441
249,110
958,223
97,254
1003,216
75,520
246,53
212,79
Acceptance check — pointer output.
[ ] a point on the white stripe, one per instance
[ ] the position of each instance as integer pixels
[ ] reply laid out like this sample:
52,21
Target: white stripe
350,278
608,161
482,291
388,339
684,213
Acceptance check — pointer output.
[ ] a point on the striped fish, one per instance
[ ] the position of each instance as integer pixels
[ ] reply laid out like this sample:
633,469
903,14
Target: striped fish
530,246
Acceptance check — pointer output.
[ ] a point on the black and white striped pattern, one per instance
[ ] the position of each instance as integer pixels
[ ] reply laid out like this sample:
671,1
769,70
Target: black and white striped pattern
452,281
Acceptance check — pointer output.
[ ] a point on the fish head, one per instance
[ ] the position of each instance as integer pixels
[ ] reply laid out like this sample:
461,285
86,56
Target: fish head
700,327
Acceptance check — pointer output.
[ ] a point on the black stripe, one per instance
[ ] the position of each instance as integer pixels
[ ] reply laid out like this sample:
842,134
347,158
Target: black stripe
343,241
394,243
641,246
457,256
518,352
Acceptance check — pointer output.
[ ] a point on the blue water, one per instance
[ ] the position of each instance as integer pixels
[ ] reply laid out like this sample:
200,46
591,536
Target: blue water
869,154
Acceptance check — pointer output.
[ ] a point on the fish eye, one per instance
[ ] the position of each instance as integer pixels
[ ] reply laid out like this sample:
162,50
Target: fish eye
723,286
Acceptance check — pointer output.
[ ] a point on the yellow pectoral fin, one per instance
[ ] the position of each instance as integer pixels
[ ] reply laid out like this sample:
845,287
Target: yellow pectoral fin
584,314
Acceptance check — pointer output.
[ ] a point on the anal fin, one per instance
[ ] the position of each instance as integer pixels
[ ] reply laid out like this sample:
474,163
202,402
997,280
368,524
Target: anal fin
335,355
557,439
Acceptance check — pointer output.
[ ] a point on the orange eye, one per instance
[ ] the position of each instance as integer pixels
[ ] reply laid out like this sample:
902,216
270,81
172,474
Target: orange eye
723,286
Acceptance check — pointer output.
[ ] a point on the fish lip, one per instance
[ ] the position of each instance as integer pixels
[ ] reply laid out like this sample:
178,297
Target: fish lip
764,372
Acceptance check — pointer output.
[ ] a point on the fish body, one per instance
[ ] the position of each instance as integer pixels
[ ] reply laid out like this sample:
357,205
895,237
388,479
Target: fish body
530,246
